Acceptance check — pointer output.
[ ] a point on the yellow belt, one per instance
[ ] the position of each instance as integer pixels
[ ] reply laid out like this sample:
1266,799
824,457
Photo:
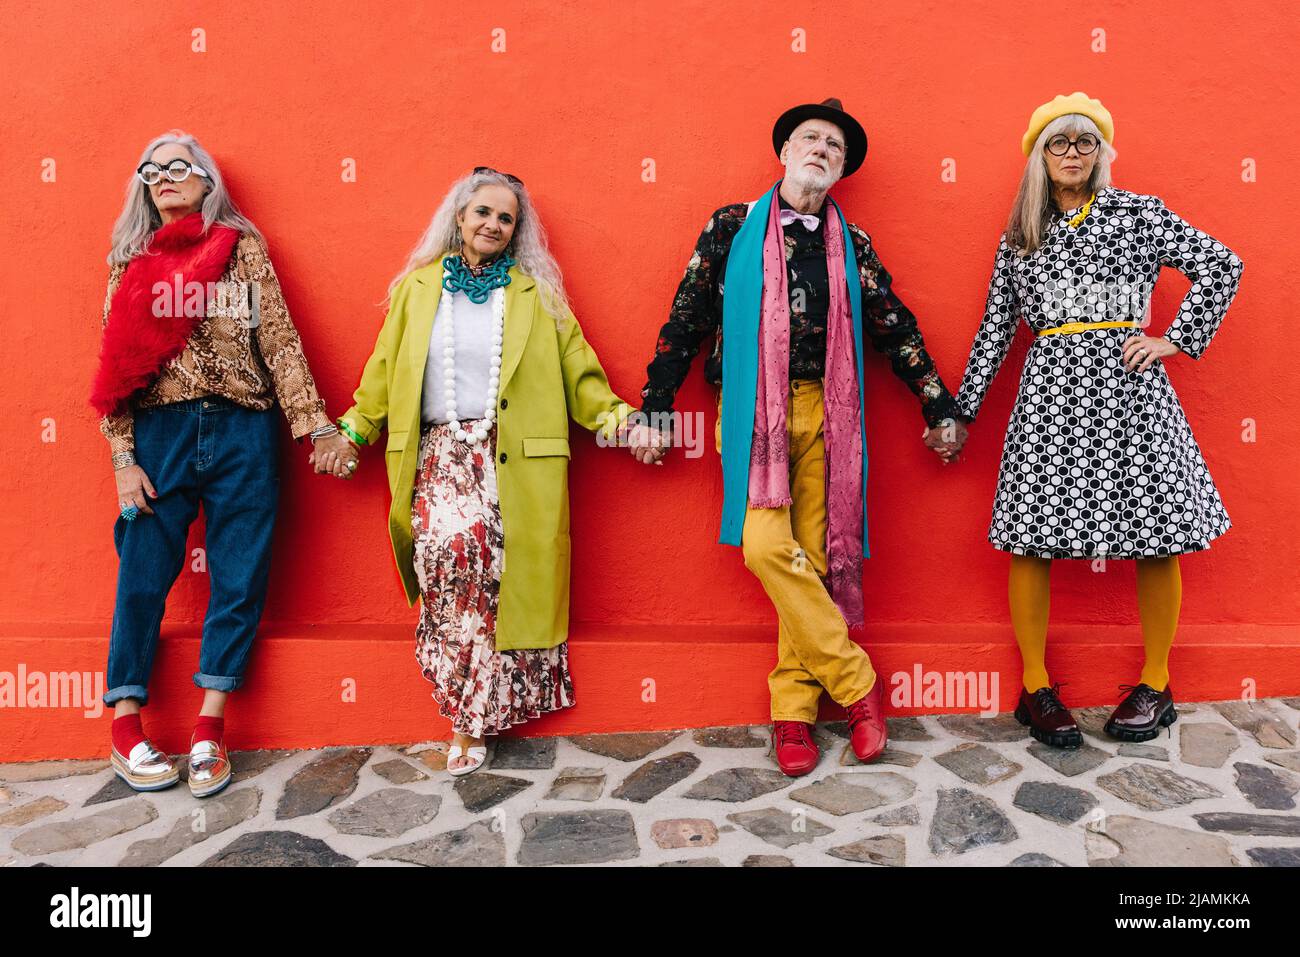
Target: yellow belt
1085,326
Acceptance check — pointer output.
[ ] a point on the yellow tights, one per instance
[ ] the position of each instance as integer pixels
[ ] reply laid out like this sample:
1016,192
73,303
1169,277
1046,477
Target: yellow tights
1029,590
1159,595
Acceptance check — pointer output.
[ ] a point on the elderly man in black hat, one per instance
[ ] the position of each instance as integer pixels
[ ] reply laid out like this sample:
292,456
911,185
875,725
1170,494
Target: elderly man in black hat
804,289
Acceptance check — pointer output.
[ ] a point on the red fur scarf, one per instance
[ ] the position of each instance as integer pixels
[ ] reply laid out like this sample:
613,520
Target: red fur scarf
147,327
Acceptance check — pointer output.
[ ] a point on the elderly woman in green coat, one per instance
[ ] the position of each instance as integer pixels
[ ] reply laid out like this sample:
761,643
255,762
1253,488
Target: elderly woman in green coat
477,370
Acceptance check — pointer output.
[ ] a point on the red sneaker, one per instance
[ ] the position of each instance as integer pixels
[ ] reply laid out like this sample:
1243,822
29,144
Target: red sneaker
796,753
867,730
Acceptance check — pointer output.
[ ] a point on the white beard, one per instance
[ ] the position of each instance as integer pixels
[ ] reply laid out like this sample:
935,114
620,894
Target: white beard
805,178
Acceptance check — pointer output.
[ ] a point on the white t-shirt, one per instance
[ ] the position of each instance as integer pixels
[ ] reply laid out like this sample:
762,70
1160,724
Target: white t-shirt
473,336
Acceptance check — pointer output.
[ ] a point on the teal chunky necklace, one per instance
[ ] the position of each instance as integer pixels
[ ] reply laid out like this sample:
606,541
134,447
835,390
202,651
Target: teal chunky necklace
477,285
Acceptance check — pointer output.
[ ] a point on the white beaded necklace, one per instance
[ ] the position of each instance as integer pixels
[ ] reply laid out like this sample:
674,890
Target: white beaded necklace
446,307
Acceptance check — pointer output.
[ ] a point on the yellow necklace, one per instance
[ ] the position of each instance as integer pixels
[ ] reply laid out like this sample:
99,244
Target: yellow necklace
1079,217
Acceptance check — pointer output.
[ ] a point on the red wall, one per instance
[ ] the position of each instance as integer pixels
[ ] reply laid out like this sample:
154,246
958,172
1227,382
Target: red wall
583,94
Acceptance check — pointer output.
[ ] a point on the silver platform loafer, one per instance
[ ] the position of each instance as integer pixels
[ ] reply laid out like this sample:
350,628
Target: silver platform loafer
146,768
209,768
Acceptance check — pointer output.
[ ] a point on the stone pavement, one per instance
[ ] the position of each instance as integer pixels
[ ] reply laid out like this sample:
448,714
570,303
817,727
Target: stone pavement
951,790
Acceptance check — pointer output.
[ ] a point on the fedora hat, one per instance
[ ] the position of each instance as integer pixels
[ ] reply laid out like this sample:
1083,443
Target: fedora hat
831,110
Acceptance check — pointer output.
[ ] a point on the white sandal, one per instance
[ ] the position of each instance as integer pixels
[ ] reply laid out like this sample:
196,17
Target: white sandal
477,755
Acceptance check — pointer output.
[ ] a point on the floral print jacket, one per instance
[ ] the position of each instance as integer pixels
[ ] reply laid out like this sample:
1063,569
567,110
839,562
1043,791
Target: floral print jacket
696,313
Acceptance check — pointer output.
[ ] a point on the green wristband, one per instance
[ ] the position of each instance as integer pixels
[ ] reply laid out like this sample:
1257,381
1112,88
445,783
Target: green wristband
346,430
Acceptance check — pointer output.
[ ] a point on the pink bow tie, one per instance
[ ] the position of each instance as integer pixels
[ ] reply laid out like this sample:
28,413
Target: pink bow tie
810,222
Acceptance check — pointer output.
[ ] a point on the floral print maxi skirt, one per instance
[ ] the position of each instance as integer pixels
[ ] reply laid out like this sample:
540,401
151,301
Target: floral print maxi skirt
459,556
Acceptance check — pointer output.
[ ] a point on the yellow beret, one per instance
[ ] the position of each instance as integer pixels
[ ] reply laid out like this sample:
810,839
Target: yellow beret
1063,106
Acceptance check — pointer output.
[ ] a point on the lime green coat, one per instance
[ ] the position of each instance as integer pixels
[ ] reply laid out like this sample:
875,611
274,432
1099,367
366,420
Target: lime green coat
548,373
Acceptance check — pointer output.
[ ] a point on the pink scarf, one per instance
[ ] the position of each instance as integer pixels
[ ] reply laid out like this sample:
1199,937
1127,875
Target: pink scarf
769,458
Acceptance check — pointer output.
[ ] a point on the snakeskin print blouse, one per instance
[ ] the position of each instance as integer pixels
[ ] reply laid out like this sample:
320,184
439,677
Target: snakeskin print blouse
252,363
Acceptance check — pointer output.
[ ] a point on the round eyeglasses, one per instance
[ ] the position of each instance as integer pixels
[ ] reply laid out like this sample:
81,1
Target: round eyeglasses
178,170
1060,144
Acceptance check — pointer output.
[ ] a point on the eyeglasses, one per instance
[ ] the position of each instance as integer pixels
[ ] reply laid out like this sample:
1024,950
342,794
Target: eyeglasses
178,170
509,176
833,146
1060,144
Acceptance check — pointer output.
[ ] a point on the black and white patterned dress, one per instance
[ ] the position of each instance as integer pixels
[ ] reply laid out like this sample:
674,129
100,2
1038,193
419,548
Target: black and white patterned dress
1100,462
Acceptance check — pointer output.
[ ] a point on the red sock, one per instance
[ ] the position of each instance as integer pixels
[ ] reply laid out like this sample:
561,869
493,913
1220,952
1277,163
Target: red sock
127,733
208,728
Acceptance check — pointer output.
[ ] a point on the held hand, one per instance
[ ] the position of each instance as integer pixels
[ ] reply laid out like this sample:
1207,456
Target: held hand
134,488
648,445
1141,351
334,455
947,439
629,433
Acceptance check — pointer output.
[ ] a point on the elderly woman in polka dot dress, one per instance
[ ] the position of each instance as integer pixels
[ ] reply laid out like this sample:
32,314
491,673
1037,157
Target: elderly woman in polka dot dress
1099,461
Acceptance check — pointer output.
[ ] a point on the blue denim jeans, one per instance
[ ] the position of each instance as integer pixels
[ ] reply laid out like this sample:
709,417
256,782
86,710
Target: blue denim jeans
212,452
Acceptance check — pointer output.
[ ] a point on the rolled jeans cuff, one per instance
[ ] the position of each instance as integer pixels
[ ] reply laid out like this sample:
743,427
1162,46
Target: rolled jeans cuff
139,692
216,682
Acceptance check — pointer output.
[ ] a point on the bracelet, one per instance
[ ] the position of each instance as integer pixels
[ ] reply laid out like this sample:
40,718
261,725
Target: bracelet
347,430
122,459
323,431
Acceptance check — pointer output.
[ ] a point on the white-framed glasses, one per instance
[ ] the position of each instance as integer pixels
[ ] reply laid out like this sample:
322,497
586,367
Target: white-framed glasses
178,170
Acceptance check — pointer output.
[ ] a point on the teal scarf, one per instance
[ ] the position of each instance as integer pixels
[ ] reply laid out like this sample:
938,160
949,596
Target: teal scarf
741,306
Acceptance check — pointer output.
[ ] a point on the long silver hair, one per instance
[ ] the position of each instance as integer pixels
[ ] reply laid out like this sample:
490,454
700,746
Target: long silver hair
1033,208
527,245
140,218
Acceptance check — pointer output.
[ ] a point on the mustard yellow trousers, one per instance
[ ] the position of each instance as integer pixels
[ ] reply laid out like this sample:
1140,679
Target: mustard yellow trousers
785,548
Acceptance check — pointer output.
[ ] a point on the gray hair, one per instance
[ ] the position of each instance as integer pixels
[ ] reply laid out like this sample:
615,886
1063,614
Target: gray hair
527,245
1032,210
140,218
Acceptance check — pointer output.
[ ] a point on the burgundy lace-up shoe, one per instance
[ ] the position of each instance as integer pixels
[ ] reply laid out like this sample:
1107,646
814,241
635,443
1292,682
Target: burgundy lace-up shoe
1049,721
1142,713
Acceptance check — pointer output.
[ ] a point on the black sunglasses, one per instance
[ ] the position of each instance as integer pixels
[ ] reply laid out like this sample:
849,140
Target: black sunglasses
509,176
